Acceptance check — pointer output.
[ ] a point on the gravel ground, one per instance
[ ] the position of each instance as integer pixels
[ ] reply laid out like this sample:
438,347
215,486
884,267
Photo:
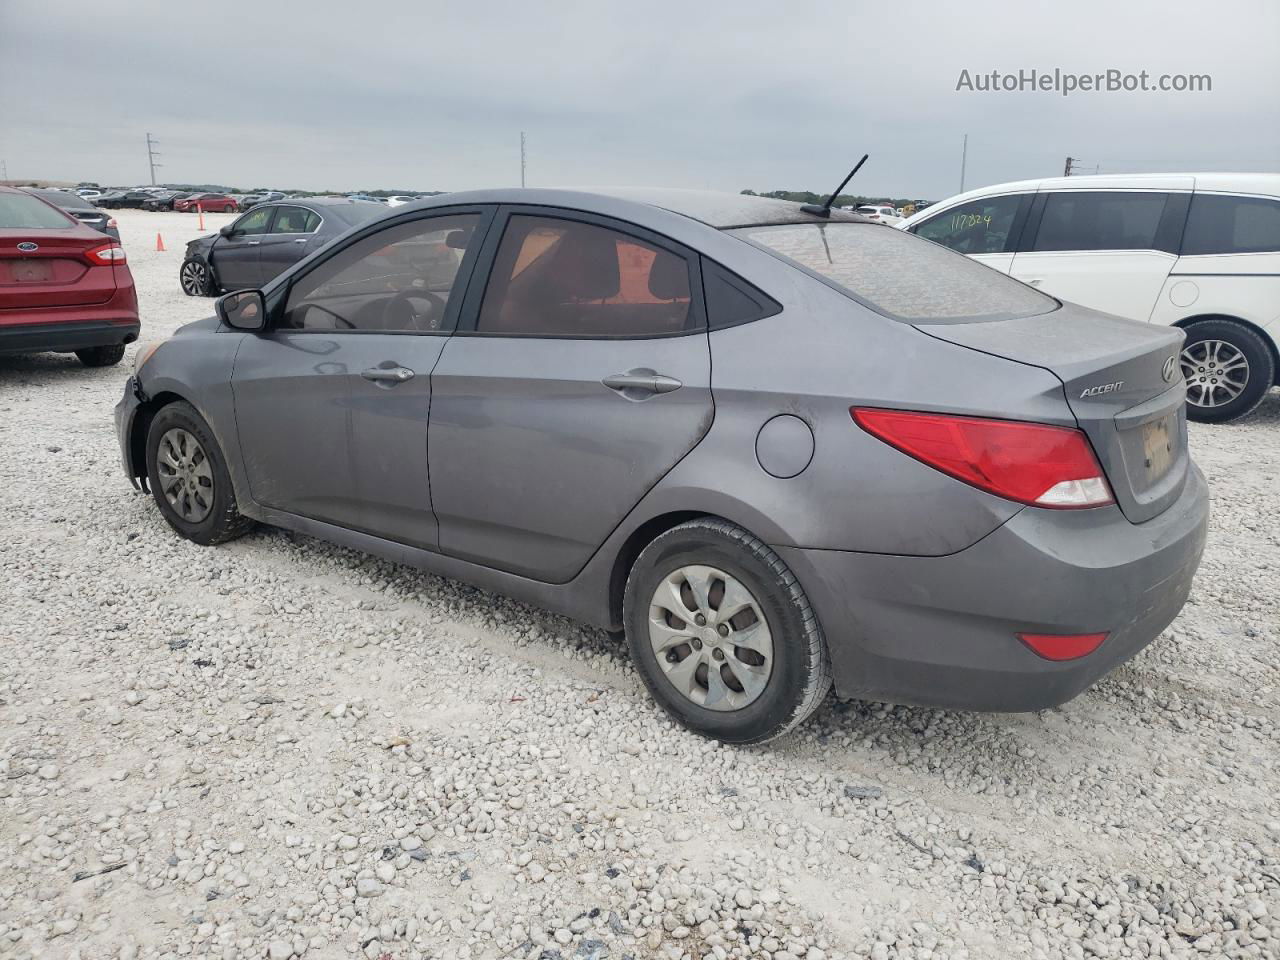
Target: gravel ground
282,748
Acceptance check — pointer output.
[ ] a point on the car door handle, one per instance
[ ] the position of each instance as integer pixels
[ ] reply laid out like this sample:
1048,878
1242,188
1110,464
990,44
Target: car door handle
254,243
391,375
643,380
301,240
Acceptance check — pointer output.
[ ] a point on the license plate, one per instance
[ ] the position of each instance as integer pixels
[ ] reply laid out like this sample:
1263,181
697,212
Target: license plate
30,271
1158,442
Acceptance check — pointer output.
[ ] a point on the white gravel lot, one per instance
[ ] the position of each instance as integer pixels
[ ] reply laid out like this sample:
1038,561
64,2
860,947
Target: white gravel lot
291,749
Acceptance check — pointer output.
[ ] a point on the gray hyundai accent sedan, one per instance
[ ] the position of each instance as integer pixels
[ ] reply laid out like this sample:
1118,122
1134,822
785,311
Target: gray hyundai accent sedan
781,450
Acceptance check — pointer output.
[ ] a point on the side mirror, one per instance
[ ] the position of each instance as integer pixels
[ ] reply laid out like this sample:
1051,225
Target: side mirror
245,310
227,229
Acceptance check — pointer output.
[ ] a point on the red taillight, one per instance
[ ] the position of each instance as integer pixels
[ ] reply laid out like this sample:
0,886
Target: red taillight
105,255
1031,463
1069,647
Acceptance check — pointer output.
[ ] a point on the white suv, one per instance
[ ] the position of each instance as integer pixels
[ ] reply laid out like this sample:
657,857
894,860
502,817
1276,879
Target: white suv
1200,251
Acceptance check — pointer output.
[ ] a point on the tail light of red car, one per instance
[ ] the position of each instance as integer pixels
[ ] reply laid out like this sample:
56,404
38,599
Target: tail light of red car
105,255
1031,463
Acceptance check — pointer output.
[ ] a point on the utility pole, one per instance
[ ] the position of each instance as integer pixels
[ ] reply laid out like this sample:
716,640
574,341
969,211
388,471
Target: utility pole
964,156
1071,162
4,170
522,158
151,157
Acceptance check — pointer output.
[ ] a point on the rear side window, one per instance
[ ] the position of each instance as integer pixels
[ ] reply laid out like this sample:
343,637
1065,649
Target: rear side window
1110,220
731,300
295,220
20,211
899,275
565,278
979,226
1218,224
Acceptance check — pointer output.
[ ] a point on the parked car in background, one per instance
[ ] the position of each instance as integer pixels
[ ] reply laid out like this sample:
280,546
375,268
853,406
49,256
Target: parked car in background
89,193
267,240
688,416
109,199
253,199
164,199
1197,251
366,197
879,213
80,208
398,201
64,286
208,202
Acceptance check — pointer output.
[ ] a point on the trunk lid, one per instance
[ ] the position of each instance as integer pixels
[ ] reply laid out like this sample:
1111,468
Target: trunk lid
1122,383
55,273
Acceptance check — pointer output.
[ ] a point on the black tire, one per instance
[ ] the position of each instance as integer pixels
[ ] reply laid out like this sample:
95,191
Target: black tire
196,278
1261,372
223,521
101,356
800,675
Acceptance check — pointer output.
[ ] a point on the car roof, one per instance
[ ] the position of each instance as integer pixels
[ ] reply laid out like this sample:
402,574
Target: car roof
719,210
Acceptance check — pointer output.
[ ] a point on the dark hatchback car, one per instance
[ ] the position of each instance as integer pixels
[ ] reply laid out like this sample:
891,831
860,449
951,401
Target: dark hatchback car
80,208
164,199
267,240
778,449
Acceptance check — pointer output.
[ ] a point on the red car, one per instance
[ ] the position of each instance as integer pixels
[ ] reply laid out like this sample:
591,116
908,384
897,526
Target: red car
208,202
64,286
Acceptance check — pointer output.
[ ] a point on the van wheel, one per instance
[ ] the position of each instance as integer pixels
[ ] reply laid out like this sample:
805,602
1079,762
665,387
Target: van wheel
107,356
189,478
723,634
1228,369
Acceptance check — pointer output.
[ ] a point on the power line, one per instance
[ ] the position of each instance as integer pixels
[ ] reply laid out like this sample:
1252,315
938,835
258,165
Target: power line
151,157
964,156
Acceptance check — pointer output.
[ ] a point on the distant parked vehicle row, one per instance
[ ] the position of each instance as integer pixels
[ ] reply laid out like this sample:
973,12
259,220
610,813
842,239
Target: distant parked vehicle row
265,241
253,199
1200,252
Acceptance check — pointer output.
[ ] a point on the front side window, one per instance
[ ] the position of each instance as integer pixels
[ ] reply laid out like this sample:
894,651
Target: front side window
900,275
295,220
564,278
1219,224
979,226
1110,220
254,222
399,279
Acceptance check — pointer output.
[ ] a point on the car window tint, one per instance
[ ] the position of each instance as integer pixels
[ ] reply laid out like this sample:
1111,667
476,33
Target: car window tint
18,211
398,279
255,221
900,275
294,220
563,278
1110,220
1219,224
979,226
730,300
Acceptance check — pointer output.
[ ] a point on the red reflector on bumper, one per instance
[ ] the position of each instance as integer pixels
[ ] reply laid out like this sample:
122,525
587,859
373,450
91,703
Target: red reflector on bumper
1070,647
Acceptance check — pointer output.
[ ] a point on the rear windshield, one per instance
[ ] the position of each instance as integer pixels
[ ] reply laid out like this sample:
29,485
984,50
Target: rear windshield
19,211
899,275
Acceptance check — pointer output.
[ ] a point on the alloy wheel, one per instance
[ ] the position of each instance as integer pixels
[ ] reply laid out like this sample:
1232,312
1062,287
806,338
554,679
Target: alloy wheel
1216,372
186,475
194,278
710,638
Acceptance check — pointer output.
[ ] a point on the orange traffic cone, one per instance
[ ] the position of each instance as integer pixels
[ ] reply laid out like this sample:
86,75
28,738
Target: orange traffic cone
200,211
159,244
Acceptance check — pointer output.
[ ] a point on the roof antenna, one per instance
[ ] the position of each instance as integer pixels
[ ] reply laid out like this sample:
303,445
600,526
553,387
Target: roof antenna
824,209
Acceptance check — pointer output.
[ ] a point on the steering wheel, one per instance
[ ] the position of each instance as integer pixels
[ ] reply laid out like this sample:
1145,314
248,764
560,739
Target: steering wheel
399,312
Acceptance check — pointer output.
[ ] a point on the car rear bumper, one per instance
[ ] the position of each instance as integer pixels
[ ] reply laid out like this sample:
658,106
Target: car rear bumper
942,631
74,332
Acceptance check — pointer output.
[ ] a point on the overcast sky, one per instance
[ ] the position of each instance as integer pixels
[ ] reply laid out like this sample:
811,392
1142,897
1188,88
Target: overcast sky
721,95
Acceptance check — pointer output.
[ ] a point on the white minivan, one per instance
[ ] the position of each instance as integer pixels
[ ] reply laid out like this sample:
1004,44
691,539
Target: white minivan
1200,251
